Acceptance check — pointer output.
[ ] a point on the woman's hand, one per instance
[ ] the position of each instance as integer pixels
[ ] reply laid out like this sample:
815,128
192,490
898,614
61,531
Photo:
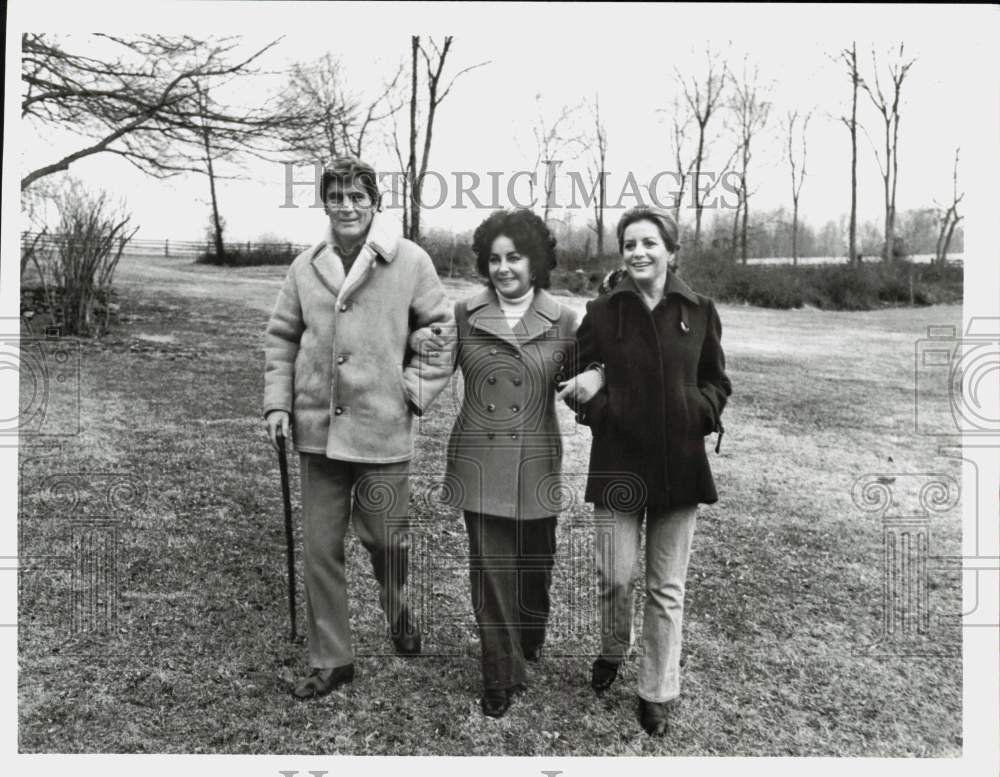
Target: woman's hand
583,387
277,419
427,339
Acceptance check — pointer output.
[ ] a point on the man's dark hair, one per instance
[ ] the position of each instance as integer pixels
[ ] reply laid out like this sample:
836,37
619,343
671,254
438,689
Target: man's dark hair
529,235
348,169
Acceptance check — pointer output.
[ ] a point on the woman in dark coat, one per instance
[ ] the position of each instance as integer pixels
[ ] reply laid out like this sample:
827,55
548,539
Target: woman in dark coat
515,343
664,391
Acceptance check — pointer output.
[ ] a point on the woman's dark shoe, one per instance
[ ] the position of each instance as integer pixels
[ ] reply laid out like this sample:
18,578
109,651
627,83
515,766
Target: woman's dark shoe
533,654
320,682
603,674
496,701
406,635
655,716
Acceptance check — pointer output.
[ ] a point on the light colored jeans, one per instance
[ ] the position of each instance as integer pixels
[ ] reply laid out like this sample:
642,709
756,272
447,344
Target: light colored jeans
376,497
668,547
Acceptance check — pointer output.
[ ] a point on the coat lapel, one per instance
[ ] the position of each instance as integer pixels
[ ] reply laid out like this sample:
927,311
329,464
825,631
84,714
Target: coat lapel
328,267
382,240
543,311
486,316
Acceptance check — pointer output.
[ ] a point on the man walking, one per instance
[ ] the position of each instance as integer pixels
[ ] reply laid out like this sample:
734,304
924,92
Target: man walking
337,367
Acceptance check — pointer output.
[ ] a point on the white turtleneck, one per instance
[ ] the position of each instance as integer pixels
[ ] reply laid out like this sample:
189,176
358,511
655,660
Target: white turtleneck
514,309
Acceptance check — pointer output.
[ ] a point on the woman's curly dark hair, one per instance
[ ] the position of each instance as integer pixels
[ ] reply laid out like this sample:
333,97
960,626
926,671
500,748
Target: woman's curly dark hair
529,235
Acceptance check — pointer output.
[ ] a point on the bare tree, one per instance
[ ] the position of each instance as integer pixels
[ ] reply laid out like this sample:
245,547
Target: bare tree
887,104
750,108
683,159
797,167
949,218
134,97
553,140
325,120
703,97
850,59
597,173
434,58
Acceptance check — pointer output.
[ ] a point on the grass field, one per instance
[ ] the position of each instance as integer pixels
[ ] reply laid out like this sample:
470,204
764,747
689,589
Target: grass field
178,642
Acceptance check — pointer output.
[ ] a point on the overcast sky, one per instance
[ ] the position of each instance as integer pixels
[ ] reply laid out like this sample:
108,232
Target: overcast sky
557,55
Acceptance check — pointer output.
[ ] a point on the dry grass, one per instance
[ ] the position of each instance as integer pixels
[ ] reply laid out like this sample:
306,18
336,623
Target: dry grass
784,595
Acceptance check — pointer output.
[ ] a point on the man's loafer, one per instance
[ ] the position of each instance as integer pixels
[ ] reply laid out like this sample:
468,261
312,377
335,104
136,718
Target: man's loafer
320,682
406,635
603,674
655,716
533,654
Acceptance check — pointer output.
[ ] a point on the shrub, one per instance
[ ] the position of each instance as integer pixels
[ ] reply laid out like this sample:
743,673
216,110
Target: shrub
251,255
831,287
76,265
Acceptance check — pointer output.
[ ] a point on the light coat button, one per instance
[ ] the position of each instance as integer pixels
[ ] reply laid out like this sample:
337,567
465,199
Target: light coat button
338,411
343,308
516,381
491,379
491,407
341,359
514,408
513,437
493,351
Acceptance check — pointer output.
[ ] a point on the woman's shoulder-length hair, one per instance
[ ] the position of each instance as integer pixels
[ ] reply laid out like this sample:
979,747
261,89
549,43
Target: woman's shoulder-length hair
530,236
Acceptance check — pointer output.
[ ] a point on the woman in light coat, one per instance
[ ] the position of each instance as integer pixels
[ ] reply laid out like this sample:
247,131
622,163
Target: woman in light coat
515,343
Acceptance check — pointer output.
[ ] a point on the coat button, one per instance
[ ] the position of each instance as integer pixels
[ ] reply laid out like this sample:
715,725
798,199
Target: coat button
343,308
513,437
491,379
493,351
514,408
516,381
517,356
491,407
490,435
341,359
338,411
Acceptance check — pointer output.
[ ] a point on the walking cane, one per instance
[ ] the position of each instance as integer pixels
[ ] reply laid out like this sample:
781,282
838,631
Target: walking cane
289,539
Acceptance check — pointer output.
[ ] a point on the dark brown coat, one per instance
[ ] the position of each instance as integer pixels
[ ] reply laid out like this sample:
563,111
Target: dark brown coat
665,389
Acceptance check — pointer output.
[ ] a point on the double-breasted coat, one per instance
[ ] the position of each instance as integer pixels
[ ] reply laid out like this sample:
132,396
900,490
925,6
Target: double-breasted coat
665,390
505,449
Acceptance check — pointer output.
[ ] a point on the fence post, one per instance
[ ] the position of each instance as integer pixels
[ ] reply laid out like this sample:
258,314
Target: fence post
166,248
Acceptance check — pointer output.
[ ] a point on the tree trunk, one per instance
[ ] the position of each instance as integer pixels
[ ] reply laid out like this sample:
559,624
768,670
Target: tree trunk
795,232
412,227
220,250
887,237
696,192
734,239
853,228
600,212
746,215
